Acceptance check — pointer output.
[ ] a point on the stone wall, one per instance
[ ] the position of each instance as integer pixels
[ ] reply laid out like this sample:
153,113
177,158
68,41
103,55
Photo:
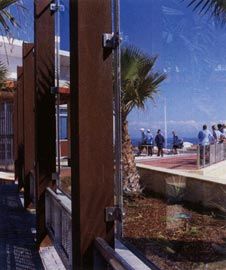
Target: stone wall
177,186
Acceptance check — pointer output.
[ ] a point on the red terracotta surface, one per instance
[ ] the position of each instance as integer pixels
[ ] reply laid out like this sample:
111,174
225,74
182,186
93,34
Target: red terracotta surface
64,148
65,172
184,162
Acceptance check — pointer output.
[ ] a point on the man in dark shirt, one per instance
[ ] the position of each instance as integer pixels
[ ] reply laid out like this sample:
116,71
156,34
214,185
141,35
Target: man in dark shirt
175,143
160,141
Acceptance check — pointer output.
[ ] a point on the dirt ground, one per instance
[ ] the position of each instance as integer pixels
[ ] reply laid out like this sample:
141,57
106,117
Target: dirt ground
176,236
65,184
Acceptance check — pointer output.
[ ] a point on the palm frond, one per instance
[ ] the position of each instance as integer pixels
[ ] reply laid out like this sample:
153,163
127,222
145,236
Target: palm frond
3,75
6,17
139,81
216,8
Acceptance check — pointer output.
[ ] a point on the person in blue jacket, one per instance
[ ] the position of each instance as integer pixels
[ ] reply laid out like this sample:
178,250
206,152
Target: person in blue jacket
205,139
142,141
205,136
149,142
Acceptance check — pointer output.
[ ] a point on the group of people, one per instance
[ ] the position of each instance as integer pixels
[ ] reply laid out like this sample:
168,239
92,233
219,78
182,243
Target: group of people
148,140
218,134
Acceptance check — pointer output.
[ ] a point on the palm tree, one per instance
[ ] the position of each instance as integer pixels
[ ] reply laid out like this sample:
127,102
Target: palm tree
6,18
3,73
139,84
216,8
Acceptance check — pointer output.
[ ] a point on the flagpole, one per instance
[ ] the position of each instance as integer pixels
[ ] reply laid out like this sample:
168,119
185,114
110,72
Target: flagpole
165,123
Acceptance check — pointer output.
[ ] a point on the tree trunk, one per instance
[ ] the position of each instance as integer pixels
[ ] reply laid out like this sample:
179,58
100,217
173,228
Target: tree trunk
130,176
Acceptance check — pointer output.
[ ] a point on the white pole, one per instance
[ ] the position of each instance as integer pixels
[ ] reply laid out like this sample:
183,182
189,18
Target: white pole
165,123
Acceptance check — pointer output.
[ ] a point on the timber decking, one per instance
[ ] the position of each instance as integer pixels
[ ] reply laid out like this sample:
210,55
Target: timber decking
17,243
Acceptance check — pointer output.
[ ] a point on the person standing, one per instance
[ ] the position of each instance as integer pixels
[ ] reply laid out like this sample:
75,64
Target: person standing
205,137
218,136
149,142
221,130
160,141
142,141
224,130
220,127
175,143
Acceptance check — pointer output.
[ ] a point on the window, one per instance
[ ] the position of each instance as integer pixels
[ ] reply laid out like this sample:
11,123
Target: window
174,166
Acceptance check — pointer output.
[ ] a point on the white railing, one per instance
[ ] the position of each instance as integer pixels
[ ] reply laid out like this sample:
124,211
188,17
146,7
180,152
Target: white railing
58,224
210,154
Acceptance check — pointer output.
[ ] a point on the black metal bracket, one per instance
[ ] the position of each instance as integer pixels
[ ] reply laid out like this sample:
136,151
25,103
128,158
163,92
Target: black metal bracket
111,40
56,7
113,214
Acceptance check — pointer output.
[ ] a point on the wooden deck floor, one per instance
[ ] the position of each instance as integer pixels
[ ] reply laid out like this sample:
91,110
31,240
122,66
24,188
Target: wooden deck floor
17,245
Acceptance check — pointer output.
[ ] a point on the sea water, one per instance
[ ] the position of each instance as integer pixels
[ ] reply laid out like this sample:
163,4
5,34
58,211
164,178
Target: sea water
136,141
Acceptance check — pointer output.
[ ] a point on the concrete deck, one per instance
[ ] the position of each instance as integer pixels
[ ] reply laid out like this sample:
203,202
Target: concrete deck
17,242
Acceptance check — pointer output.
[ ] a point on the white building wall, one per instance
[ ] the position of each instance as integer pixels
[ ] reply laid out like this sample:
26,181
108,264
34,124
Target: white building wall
11,56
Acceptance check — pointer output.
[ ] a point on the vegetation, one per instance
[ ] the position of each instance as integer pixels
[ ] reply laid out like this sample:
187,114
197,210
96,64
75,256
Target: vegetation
139,84
139,81
6,17
6,20
216,8
3,73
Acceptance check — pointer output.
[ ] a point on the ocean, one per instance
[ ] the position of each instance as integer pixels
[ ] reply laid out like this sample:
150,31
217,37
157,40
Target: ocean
135,141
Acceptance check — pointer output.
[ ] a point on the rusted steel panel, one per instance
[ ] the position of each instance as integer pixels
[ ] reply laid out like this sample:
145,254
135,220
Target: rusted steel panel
15,132
91,127
20,128
45,106
69,128
29,119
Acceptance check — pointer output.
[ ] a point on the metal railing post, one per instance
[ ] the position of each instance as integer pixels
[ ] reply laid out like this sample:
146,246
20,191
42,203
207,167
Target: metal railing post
204,156
198,156
58,224
47,209
118,116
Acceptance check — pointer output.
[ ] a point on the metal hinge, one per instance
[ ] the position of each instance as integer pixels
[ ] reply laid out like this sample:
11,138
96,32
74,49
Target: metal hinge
54,90
111,40
57,7
113,214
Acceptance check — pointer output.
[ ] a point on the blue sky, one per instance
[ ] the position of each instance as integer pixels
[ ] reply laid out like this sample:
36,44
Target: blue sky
25,19
191,51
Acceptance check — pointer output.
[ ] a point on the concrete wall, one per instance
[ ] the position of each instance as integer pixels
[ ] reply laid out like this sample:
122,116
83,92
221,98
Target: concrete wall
177,185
